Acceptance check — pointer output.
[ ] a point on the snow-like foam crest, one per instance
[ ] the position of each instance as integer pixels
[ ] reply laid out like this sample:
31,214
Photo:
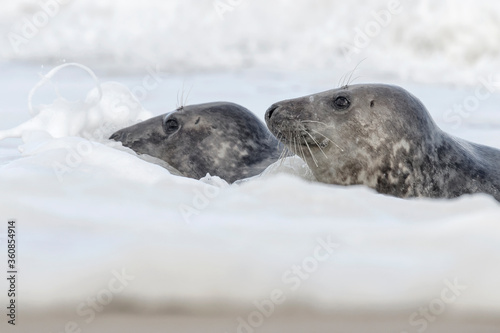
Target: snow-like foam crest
108,107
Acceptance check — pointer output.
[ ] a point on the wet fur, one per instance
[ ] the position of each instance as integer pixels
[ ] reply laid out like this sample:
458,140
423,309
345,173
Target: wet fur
386,140
222,139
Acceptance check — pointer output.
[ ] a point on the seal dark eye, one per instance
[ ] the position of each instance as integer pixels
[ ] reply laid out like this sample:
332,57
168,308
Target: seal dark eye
341,103
171,126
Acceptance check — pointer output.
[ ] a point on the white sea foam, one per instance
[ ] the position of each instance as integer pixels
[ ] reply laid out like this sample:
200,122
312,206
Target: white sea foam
85,207
446,41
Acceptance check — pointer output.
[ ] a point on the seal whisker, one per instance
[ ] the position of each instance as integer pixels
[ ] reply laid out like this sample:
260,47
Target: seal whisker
357,77
283,152
312,155
187,96
350,73
278,149
317,144
342,149
295,145
282,156
341,80
350,76
354,70
344,79
169,139
392,144
302,155
314,121
283,160
279,136
182,96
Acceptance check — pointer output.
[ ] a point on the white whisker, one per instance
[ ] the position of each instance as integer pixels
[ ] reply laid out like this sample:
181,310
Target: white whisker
302,152
295,145
342,149
349,75
187,96
316,122
317,144
310,151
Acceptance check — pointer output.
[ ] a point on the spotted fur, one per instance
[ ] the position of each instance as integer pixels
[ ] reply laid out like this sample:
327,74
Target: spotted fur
385,139
223,139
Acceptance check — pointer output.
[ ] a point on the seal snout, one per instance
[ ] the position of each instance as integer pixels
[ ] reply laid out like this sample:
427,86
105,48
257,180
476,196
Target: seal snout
117,136
271,110
121,136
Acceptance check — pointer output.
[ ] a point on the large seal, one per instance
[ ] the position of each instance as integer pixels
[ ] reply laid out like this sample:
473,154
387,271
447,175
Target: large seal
221,138
383,137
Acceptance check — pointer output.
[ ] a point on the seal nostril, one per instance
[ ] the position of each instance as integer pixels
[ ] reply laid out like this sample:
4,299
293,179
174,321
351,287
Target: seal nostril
271,111
116,136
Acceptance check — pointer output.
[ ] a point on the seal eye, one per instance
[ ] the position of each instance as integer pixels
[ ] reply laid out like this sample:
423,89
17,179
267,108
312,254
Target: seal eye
171,126
341,103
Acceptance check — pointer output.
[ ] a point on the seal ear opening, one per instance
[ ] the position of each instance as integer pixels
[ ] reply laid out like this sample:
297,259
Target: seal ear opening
372,104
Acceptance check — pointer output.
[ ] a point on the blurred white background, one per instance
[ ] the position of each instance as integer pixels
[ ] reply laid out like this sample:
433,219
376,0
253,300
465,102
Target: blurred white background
427,41
116,211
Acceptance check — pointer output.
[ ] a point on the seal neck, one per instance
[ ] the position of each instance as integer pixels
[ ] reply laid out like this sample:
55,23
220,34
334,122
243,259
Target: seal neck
456,167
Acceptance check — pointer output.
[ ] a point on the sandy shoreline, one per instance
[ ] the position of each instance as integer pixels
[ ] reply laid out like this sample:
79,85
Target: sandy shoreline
295,323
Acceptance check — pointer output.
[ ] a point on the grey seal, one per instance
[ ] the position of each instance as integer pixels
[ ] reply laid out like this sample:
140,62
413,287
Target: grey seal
383,137
221,138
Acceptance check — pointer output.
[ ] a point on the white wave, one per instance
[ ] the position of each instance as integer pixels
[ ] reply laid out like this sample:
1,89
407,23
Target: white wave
445,41
86,209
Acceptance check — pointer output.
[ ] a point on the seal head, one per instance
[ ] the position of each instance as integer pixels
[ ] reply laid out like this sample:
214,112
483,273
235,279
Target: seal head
383,137
221,138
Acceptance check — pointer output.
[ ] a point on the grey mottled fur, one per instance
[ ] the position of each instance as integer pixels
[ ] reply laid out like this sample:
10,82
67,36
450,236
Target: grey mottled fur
386,140
221,138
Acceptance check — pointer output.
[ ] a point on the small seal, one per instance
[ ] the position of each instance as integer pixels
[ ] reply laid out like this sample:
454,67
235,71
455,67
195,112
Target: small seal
383,137
222,139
